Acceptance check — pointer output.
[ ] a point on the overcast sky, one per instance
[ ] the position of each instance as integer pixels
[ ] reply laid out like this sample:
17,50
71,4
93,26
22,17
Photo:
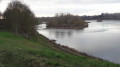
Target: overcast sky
76,7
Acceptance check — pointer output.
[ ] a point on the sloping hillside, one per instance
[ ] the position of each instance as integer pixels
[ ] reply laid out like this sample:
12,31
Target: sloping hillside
16,51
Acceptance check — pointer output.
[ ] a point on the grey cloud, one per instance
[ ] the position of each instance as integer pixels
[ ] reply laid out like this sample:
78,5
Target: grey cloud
67,2
79,7
76,1
70,1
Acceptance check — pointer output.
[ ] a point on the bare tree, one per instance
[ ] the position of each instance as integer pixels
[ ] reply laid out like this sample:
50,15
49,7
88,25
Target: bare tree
20,19
0,16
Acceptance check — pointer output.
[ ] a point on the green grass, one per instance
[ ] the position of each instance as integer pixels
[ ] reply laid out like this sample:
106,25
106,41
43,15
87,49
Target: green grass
16,51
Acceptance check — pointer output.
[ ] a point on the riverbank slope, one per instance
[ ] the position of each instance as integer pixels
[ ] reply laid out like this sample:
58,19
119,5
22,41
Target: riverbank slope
16,51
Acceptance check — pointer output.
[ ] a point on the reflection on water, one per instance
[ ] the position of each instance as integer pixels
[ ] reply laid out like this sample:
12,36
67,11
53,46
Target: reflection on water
100,39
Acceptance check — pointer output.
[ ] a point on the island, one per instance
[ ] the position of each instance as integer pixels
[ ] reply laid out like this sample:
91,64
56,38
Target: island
66,21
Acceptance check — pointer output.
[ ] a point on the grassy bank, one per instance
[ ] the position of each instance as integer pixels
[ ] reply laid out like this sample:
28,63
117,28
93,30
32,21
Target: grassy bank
16,51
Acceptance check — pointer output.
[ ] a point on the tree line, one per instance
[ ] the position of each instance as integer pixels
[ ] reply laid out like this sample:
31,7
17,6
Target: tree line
103,16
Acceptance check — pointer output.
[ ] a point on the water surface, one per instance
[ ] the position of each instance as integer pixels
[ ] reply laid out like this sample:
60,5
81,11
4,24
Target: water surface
100,39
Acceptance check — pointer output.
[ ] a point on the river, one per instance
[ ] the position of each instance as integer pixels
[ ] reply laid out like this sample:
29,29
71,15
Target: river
100,39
